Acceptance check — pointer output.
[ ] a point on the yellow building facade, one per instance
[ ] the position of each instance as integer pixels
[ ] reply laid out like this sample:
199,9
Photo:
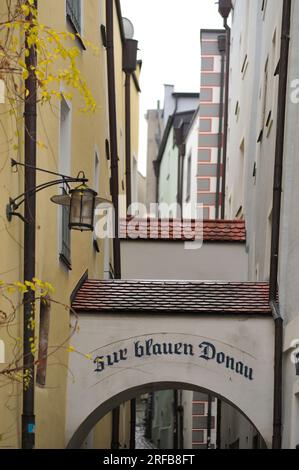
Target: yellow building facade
69,142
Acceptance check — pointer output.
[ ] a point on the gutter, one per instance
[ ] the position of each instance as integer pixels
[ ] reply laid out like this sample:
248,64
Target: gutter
175,419
114,166
276,217
225,136
219,424
129,65
113,132
30,130
209,426
128,139
222,45
120,21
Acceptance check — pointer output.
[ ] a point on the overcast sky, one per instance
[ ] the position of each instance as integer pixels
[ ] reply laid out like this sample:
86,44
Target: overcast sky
168,32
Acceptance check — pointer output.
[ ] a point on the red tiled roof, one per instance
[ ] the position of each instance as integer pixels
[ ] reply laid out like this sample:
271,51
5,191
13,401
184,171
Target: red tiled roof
159,229
173,297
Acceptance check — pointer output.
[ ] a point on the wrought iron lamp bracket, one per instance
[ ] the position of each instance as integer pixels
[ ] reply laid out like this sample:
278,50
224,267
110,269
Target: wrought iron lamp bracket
65,180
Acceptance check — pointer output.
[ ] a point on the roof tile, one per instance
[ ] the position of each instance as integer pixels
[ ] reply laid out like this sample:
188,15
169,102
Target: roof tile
159,229
173,297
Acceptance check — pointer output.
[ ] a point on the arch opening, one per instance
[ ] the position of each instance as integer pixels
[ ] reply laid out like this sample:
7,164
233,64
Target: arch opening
115,401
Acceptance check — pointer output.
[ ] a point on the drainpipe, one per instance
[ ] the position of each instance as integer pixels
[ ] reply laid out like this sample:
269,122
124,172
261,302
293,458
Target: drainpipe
221,47
30,125
209,426
175,419
181,424
179,139
225,136
183,157
113,133
129,67
219,423
114,172
128,139
276,217
130,47
179,198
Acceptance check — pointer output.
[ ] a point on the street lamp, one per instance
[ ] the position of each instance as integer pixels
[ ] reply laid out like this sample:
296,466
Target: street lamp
82,200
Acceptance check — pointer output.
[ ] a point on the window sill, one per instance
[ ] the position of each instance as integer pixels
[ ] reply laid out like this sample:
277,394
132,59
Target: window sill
77,33
63,259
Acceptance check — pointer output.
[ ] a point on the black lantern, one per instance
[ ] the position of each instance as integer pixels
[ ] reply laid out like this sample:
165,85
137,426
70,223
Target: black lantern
81,202
82,207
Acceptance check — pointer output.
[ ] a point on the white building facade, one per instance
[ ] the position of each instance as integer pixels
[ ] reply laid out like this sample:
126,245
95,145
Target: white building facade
255,55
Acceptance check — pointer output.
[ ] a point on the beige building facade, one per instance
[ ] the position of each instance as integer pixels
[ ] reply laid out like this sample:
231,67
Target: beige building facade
71,142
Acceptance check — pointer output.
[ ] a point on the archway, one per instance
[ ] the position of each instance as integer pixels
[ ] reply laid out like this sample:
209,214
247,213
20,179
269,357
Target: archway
230,356
85,428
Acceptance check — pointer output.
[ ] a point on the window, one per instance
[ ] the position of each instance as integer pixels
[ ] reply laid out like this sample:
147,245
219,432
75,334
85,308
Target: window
97,189
198,409
265,96
65,253
189,175
44,324
268,246
74,14
134,180
237,109
269,123
96,172
241,182
239,214
65,168
244,66
264,8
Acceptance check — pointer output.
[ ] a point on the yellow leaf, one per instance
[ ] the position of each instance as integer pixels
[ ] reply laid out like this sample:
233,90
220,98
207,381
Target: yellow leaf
25,9
25,74
30,285
11,290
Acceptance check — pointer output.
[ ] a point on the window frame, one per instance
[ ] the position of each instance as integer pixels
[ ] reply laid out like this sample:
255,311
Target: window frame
189,177
65,244
75,22
65,145
44,328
